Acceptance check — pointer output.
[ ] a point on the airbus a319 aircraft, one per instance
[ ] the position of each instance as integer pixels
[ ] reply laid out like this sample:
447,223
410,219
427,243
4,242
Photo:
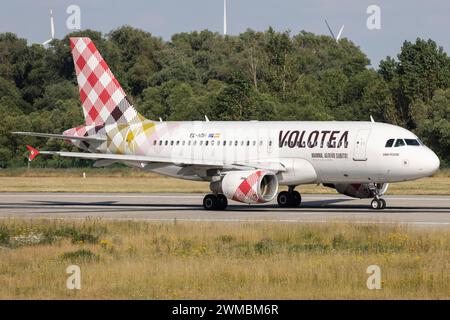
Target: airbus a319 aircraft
244,161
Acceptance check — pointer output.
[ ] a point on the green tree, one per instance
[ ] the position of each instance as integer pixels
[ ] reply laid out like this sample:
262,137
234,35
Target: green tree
421,69
435,128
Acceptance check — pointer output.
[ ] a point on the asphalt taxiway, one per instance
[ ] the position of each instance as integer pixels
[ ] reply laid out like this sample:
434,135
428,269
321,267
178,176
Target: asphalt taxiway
414,210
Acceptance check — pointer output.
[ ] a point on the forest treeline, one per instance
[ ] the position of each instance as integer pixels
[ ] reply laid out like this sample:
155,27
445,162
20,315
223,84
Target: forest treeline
251,76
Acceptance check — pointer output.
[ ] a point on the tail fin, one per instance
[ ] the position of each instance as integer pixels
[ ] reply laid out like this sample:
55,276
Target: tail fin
102,97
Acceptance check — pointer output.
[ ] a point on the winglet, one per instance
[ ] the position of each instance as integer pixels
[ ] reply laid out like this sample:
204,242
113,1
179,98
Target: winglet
33,153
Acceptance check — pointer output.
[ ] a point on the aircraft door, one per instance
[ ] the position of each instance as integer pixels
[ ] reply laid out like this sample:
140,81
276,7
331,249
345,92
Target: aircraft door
359,151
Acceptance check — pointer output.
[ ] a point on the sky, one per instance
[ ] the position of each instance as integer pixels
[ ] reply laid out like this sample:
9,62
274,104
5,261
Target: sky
400,19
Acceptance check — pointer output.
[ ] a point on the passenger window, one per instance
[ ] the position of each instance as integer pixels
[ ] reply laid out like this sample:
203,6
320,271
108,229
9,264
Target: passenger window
178,142
254,143
270,143
224,142
206,142
248,143
189,142
389,143
235,143
412,142
154,142
166,142
171,143
195,142
201,142
399,143
160,142
183,142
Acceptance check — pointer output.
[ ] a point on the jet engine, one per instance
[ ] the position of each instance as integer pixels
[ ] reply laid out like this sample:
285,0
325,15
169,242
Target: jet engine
359,190
249,186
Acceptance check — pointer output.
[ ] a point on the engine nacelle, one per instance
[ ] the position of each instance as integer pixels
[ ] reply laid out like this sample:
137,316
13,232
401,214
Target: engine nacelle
249,186
359,190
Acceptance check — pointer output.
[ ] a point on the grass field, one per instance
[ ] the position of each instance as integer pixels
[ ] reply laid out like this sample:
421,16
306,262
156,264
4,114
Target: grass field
133,180
180,260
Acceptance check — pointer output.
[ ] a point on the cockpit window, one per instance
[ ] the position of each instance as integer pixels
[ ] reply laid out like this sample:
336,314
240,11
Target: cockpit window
389,143
412,142
399,143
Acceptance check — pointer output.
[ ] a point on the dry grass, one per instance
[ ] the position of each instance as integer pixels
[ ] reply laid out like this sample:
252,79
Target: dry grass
221,260
133,180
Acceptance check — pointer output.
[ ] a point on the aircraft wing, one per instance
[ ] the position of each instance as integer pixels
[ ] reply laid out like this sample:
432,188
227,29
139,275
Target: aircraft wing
60,136
268,165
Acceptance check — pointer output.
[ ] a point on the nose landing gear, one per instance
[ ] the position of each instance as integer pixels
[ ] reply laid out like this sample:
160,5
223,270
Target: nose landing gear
377,190
378,204
289,199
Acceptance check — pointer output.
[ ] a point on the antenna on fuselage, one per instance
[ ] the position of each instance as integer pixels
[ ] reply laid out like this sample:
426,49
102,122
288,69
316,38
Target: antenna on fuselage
206,118
371,119
160,119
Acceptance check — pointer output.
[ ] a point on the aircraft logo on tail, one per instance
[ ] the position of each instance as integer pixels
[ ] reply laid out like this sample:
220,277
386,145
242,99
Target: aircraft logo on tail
102,97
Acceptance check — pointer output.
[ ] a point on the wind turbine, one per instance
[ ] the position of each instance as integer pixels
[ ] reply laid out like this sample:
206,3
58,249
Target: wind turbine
332,34
224,17
52,29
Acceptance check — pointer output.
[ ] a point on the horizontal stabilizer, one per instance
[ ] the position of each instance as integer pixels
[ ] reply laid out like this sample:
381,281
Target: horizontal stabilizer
60,136
33,153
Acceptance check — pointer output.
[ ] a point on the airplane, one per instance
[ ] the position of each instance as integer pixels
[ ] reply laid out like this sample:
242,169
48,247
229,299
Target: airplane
244,161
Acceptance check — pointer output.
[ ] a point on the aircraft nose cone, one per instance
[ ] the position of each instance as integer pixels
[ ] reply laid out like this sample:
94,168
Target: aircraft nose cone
432,162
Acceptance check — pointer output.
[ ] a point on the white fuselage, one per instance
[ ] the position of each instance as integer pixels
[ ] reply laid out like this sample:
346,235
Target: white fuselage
311,151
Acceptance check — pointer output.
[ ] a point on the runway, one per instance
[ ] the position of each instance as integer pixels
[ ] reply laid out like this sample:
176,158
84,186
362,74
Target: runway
414,210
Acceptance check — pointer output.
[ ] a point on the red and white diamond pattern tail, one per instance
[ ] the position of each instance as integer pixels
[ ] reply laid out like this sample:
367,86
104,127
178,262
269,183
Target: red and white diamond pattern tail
247,190
102,97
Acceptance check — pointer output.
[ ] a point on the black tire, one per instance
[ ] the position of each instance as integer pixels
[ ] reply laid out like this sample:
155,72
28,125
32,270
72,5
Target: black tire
284,199
210,202
296,198
383,203
375,204
222,202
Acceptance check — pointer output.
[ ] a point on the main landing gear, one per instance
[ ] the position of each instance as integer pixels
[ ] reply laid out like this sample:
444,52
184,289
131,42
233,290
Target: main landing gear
215,202
290,198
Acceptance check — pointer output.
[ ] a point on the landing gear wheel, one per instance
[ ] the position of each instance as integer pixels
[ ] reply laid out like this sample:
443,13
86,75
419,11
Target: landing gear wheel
296,198
378,204
284,199
210,202
383,203
375,204
222,202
